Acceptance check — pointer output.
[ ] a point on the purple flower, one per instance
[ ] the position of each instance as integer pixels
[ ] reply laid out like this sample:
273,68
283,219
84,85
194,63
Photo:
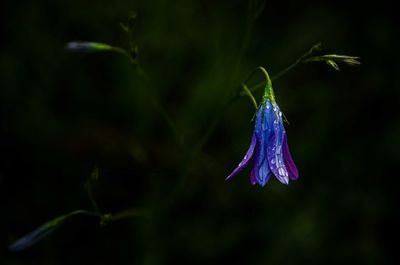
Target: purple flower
268,151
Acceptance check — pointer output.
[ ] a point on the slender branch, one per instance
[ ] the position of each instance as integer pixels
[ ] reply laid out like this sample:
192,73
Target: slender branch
301,59
121,51
84,212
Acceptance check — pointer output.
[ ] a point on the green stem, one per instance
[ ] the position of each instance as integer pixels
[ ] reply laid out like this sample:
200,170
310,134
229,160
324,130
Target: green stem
248,92
76,212
121,51
301,59
268,91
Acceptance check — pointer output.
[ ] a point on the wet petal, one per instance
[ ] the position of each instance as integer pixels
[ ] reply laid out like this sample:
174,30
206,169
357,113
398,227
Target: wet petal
246,158
254,170
261,171
253,176
287,158
275,152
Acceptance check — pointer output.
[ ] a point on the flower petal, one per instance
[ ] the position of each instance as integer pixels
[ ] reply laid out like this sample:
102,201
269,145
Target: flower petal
253,176
287,158
275,154
246,158
254,171
261,171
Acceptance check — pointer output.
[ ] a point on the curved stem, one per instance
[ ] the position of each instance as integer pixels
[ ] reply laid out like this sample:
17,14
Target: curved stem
248,92
121,51
268,91
301,59
84,212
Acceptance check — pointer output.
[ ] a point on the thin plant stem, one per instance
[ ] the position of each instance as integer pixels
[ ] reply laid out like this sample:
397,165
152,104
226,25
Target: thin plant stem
121,51
247,90
301,59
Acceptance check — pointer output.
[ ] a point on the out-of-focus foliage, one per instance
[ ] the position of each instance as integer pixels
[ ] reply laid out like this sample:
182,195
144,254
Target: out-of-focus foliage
62,113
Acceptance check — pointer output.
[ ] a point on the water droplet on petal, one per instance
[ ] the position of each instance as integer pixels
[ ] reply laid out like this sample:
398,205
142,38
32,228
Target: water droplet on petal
278,150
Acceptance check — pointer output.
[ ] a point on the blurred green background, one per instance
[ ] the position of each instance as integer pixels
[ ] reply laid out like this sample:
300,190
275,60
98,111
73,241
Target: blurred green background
63,113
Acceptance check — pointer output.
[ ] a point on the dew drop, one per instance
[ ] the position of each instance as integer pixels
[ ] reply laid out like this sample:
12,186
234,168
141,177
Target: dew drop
278,150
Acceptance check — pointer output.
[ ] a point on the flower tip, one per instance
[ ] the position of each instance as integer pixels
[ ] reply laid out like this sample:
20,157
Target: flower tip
85,46
262,184
283,180
77,46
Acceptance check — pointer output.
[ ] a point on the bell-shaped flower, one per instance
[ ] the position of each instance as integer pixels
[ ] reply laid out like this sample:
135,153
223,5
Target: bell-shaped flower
268,152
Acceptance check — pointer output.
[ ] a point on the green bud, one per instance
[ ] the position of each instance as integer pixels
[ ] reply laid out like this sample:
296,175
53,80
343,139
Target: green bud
333,64
350,60
83,46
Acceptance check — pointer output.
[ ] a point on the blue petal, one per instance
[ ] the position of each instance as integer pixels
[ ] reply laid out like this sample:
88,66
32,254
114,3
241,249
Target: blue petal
289,163
246,158
275,152
253,146
261,171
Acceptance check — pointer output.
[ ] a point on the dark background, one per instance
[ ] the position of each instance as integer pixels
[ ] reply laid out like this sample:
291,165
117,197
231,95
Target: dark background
63,113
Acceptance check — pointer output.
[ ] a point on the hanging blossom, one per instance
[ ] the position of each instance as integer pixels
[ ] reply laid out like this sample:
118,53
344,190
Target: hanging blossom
268,151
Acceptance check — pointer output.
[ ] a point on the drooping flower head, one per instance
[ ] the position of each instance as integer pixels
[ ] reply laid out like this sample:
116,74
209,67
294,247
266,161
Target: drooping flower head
268,152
